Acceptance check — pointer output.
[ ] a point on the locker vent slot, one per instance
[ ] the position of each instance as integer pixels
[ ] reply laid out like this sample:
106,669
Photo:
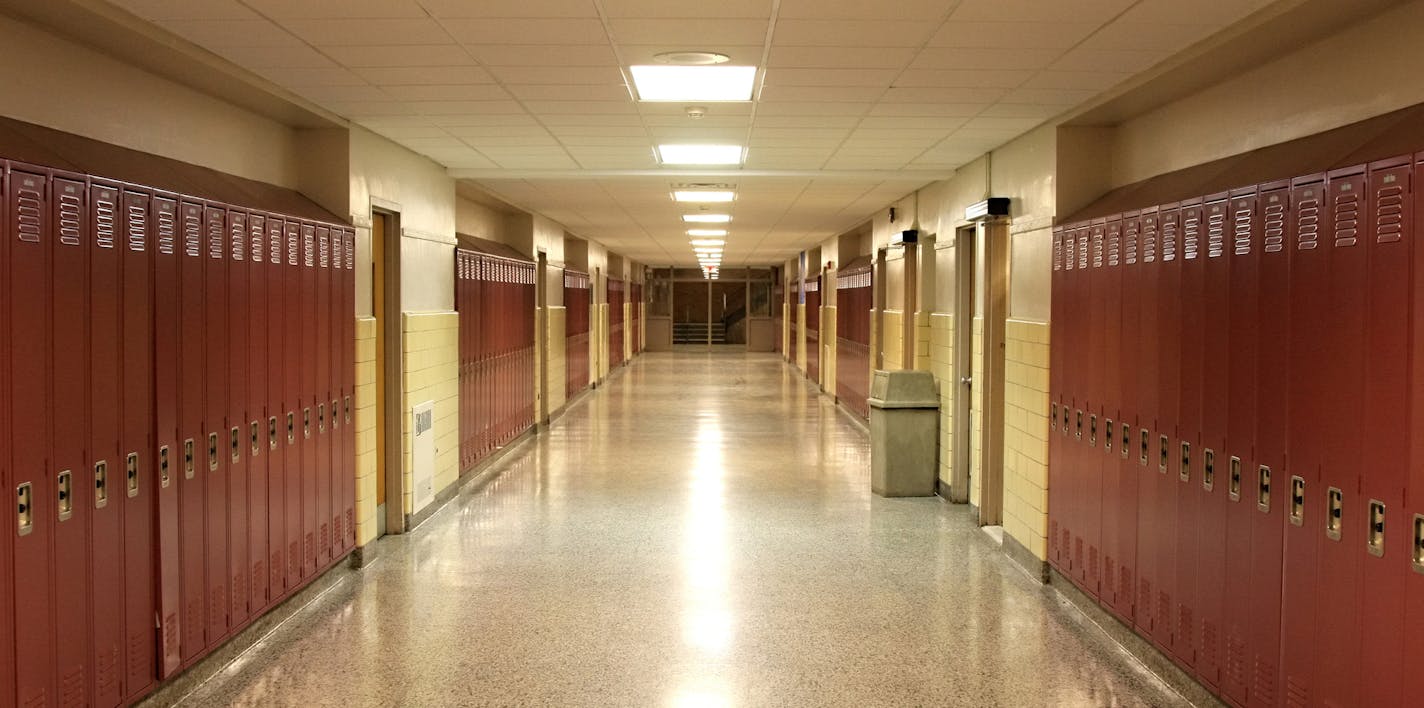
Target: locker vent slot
237,236
101,484
65,484
1263,488
1163,452
1241,233
1389,210
131,473
1149,241
1097,248
1347,216
1065,420
1334,513
1130,240
1307,221
1191,233
1169,238
1216,231
192,231
1083,250
167,226
1184,473
138,226
274,242
255,230
1275,224
70,208
1208,469
1297,510
28,208
1375,538
105,219
24,508
1114,246
188,460
1233,483
215,234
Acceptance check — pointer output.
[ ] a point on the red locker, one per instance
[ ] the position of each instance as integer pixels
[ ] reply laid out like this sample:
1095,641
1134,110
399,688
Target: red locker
164,213
321,363
215,395
1217,466
1115,596
7,585
1181,616
1166,465
1087,563
1147,364
69,293
1337,662
1125,467
29,231
1057,322
106,462
1249,484
277,364
333,388
192,367
258,459
308,445
1273,383
292,463
348,371
137,482
1414,493
235,435
1388,242
1304,530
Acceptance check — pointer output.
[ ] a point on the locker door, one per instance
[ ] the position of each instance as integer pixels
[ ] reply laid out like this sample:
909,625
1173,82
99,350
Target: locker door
1125,466
1074,376
136,483
31,482
105,463
1057,321
1110,502
1217,467
72,500
1245,486
1272,417
166,456
256,438
1166,465
234,437
293,468
7,585
215,395
276,410
1147,363
1088,535
348,373
1388,242
1182,614
1304,531
308,433
192,462
1337,665
321,385
1414,492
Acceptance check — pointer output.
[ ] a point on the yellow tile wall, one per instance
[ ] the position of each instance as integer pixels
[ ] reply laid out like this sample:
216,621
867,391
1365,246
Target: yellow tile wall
893,339
627,342
557,367
1026,434
941,330
430,361
600,338
976,415
828,349
800,335
922,341
365,430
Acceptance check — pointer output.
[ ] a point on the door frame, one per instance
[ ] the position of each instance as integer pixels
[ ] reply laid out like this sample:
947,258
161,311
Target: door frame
386,283
996,305
965,293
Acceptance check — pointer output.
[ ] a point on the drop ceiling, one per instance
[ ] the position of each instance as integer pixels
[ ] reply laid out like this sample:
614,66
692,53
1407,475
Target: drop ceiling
858,103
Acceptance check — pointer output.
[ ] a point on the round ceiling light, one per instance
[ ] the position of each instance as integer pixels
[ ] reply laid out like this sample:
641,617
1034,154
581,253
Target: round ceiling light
691,58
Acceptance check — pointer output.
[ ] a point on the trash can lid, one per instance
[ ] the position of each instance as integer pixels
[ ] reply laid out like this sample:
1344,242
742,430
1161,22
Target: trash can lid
903,389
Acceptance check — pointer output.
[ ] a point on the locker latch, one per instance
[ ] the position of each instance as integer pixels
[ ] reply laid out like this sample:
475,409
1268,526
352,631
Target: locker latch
1334,513
306,422
1184,472
65,483
1417,558
321,417
1297,510
335,410
291,429
163,466
348,410
1142,457
1208,469
101,484
1053,416
1375,539
131,474
1108,434
254,431
272,432
1233,486
1163,446
1126,447
24,508
1064,428
1263,488
212,452
188,458
1078,431
1093,430
235,442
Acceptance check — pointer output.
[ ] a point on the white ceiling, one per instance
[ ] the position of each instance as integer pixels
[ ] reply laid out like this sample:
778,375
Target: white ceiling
859,101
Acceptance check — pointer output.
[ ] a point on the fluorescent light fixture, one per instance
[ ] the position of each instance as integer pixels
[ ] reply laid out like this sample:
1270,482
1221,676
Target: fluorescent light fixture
694,83
708,242
707,218
703,196
706,232
707,249
700,154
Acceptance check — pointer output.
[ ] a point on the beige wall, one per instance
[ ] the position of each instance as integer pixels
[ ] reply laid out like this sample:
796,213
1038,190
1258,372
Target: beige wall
480,221
430,353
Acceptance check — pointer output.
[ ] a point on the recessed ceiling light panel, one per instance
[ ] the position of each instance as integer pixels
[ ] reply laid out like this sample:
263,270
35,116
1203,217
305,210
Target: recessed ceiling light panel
700,154
708,242
693,83
703,196
707,218
706,232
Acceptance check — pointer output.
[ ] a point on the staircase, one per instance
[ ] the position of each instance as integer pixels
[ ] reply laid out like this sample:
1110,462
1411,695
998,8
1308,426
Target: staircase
696,333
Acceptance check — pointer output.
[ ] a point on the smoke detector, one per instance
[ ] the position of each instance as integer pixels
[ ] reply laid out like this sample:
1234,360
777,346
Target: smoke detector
691,58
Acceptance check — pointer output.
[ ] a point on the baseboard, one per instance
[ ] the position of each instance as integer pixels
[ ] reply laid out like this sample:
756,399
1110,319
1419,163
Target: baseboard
1025,558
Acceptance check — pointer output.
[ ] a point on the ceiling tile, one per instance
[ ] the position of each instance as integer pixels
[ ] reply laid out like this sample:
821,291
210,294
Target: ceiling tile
1022,110
984,58
585,55
1010,35
1146,37
496,131
830,77
687,10
573,142
500,120
469,92
591,119
1111,60
788,94
804,121
397,128
740,54
664,31
331,9
460,158
861,10
943,95
1058,97
485,143
939,123
522,30
530,158
299,56
345,33
451,108
356,110
188,10
567,132
606,76
215,34
942,110
510,8
1175,12
582,107
839,57
385,55
1038,11
813,108
338,94
425,75
312,76
851,33
951,78
1085,80
605,158
568,93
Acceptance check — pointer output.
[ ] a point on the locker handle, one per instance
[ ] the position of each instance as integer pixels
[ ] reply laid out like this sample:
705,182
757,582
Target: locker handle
348,410
291,429
272,432
163,477
24,507
1093,430
1233,487
131,474
1334,513
1263,488
212,452
101,484
1184,473
235,442
1065,421
65,485
255,433
1142,457
1418,556
335,408
321,417
1053,416
1297,511
188,458
1126,446
1108,435
306,423
1078,433
1208,469
1374,542
1163,445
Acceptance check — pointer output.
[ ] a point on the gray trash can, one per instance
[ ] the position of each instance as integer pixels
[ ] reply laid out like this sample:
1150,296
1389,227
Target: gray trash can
904,433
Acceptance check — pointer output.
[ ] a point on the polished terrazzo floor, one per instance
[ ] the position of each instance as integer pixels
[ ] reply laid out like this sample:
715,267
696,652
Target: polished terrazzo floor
698,532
